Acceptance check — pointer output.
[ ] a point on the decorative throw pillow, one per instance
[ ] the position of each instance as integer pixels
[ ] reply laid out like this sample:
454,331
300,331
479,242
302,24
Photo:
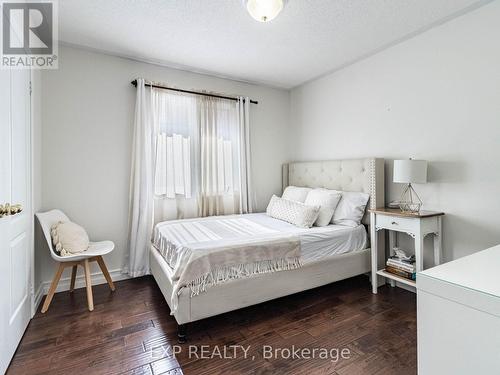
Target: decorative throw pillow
292,212
327,200
350,209
297,194
69,238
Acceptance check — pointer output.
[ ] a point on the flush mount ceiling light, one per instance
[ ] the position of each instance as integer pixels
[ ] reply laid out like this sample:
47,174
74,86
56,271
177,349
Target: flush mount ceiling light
264,10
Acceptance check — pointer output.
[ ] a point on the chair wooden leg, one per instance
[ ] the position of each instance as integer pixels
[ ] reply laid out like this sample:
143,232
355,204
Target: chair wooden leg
88,281
105,272
53,287
73,278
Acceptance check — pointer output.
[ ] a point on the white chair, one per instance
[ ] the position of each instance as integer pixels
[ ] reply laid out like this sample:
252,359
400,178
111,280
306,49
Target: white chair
94,253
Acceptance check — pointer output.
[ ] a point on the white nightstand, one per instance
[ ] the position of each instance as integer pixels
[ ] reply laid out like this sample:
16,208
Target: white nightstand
416,225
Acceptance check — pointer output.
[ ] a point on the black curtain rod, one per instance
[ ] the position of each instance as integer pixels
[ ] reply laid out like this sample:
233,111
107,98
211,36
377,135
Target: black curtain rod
134,82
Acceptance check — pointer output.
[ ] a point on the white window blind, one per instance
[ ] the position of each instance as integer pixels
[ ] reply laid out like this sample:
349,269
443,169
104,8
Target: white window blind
173,166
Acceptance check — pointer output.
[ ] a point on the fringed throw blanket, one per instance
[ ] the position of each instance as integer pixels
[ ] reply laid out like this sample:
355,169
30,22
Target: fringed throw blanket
210,251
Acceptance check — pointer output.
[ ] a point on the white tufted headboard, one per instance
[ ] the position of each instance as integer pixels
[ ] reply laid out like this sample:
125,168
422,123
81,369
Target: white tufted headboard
365,175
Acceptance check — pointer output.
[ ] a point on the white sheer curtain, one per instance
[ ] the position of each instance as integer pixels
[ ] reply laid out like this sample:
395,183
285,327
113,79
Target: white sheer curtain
247,198
191,158
216,133
218,121
177,155
141,185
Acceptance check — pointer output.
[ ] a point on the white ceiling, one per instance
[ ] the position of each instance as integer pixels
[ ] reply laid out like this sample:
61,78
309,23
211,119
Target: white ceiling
308,39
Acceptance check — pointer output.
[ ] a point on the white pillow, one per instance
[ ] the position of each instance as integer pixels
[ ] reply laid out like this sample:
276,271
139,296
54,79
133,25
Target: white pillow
292,212
69,238
350,209
327,200
297,194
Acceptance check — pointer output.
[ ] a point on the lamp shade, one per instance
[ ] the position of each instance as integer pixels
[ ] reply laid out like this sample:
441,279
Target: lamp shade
410,171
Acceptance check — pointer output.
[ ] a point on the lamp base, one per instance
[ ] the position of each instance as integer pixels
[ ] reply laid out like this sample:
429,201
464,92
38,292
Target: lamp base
410,201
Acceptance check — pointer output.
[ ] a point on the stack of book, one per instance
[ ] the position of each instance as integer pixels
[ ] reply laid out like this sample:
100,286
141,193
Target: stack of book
401,267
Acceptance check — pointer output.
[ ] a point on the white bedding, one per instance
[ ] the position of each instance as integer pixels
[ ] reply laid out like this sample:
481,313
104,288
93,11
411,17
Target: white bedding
210,251
316,243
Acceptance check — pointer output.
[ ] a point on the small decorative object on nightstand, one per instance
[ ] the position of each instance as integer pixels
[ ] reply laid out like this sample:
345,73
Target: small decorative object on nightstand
408,172
417,225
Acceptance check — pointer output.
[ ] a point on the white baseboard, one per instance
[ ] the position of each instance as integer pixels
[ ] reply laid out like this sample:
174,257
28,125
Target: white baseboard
64,283
380,280
406,287
38,298
117,275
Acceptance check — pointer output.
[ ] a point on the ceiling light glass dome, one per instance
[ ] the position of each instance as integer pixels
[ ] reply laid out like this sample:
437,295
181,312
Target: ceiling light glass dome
264,10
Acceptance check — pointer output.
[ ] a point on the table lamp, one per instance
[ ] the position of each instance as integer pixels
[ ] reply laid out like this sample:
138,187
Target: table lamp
408,172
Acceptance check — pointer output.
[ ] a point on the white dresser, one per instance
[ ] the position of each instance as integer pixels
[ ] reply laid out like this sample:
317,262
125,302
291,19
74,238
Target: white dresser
458,312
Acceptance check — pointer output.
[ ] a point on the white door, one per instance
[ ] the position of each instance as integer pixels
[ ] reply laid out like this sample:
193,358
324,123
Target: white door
16,230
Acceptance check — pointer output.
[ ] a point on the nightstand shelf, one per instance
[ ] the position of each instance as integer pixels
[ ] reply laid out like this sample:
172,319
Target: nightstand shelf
397,278
417,225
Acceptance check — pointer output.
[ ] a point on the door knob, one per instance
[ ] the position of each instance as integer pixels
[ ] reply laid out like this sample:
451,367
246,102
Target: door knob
7,209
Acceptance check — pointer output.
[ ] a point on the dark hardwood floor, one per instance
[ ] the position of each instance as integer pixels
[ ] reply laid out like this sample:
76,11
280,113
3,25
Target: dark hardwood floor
130,332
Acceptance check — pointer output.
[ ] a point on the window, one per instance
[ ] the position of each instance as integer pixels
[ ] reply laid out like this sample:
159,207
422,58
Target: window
197,154
173,166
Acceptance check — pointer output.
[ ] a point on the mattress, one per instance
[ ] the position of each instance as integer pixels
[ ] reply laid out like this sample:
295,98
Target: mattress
316,243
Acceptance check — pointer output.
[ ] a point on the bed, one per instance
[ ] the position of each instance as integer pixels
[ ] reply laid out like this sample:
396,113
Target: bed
327,254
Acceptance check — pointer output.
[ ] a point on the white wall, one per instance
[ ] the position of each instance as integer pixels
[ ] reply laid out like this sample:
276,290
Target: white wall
88,108
434,97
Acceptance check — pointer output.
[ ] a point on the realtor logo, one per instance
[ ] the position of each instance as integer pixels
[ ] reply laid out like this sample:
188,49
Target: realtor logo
29,32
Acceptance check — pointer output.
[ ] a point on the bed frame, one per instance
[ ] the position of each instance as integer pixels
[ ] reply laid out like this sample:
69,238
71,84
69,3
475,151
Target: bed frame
364,175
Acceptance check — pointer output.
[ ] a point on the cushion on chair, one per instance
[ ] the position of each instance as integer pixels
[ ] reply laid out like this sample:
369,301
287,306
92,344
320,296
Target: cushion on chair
69,238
